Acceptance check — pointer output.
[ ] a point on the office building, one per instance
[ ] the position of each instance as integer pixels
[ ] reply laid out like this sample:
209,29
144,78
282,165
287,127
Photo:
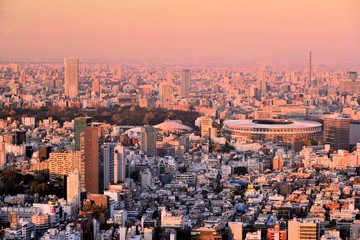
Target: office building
355,230
354,135
350,84
71,85
206,125
120,163
148,140
337,132
299,230
93,159
44,152
146,179
79,125
108,163
185,83
19,137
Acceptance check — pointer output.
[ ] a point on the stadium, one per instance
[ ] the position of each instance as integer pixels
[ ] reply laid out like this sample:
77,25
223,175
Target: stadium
294,133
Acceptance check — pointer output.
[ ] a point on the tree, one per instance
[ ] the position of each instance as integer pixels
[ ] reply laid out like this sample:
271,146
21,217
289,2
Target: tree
149,117
218,189
155,215
217,148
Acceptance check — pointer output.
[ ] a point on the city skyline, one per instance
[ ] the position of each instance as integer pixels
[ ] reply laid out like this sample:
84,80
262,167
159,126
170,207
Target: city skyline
235,30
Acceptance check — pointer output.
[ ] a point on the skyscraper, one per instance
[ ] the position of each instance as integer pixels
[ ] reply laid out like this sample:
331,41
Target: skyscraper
120,163
337,132
148,140
73,187
96,86
22,78
108,163
79,125
185,83
71,85
93,159
261,82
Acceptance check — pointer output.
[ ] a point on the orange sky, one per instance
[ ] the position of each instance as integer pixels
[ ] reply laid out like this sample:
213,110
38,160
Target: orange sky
178,29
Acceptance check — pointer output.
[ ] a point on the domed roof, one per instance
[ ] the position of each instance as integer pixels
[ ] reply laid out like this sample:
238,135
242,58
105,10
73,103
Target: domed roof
173,125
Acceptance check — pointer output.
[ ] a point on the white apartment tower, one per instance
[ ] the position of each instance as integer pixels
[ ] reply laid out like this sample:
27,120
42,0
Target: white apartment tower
73,187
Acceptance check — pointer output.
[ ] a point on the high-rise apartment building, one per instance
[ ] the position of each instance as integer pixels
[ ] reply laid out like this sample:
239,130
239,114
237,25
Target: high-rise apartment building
93,159
71,85
120,163
108,163
148,140
79,125
73,187
185,83
337,132
62,163
299,230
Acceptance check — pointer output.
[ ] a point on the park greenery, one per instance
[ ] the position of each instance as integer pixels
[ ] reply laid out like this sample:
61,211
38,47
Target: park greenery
128,115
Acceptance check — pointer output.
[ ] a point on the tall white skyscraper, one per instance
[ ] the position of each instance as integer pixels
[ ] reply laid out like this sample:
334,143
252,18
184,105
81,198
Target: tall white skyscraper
73,188
185,83
108,164
120,163
71,85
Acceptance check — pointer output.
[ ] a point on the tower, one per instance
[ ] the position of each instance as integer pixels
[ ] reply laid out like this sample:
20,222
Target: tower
261,82
79,125
96,86
120,163
108,163
71,85
73,187
148,140
93,159
22,78
185,83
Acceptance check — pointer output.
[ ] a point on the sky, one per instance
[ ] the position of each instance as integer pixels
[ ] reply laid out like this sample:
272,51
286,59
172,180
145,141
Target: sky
277,30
